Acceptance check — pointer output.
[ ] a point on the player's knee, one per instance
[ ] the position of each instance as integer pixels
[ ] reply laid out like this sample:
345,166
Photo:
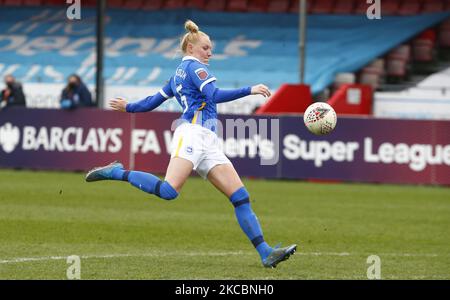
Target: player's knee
167,192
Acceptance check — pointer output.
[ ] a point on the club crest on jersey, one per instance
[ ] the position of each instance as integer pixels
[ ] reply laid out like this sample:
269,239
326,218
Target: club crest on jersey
202,74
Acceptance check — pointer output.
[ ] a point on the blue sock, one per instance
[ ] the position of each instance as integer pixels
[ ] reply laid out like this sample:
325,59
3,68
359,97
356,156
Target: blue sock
249,222
146,182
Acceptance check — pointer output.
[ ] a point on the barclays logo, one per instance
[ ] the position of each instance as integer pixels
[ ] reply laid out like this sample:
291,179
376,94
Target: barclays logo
9,137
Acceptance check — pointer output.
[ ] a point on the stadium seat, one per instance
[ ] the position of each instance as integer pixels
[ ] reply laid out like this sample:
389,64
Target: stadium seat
215,5
447,5
390,7
373,73
257,5
322,6
237,5
344,6
295,6
114,3
278,6
410,7
89,3
133,4
431,6
422,50
12,2
360,8
174,4
444,38
198,4
53,3
397,62
152,5
32,2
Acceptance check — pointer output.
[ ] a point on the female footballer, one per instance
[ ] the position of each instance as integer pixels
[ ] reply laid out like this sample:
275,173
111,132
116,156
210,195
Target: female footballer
195,145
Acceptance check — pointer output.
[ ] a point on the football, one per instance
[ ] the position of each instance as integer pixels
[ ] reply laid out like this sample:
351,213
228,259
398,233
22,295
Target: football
320,118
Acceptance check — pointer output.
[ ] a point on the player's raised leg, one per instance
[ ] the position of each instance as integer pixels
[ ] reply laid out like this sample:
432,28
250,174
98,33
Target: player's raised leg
225,178
177,173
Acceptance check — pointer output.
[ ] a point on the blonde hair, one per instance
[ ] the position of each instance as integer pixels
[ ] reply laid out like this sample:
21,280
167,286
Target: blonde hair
191,36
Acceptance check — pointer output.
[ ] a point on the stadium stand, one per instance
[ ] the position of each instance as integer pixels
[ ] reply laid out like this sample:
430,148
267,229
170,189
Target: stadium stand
257,6
195,4
273,58
344,7
278,6
237,5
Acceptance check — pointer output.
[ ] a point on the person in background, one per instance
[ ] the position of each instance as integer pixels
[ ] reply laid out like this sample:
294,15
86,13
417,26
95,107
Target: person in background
12,94
75,94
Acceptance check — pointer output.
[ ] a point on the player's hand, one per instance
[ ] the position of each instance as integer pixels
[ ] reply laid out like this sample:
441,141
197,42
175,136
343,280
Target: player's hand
118,104
260,89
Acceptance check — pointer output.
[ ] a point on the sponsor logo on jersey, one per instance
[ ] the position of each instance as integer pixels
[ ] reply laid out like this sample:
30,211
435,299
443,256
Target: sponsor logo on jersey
202,74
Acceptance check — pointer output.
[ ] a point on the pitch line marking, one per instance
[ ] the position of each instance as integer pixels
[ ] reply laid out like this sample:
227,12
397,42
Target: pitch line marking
234,253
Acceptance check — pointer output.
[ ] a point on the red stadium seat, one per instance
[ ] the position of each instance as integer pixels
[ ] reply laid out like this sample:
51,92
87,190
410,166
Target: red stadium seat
198,4
215,5
397,61
322,6
152,5
257,5
444,38
422,50
431,6
295,7
373,73
360,8
133,4
447,5
344,6
114,3
89,3
12,2
237,5
174,4
410,7
390,7
32,2
278,6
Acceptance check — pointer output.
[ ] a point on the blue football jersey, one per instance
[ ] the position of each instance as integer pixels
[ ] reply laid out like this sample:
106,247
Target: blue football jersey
187,84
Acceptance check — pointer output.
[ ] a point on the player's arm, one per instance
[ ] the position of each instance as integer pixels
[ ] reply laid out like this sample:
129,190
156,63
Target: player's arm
147,104
219,95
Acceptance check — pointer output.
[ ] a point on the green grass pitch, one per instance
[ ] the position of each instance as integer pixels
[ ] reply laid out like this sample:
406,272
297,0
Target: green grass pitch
120,232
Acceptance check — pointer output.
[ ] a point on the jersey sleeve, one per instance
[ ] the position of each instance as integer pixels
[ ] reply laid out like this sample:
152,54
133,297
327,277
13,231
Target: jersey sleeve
200,75
151,102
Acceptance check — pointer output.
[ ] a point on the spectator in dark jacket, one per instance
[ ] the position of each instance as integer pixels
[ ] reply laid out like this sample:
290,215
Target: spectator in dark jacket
12,94
75,94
